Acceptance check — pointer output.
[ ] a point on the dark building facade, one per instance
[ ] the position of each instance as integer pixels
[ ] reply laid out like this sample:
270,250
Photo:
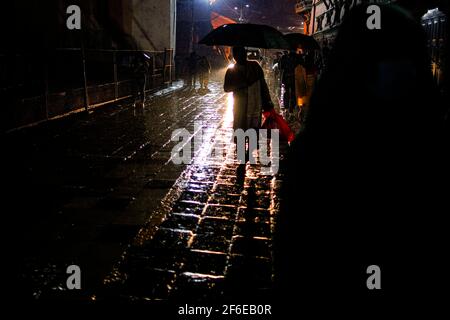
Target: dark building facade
435,23
193,22
48,70
323,18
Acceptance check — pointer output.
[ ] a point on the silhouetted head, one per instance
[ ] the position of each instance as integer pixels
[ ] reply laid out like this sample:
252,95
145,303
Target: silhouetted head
375,105
240,55
378,81
387,63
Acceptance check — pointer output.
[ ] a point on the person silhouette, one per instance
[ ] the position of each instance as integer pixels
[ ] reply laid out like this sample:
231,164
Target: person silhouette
364,178
251,97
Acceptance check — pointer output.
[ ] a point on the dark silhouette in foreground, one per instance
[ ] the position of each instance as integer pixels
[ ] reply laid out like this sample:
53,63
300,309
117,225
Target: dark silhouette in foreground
366,183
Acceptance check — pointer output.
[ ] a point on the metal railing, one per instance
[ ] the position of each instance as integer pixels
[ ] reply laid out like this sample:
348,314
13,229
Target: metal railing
36,87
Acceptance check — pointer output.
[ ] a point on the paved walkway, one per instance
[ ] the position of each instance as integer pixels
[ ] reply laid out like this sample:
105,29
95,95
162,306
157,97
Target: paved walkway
110,195
215,240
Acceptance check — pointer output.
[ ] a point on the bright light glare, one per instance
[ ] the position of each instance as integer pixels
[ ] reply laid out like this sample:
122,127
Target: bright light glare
231,66
228,117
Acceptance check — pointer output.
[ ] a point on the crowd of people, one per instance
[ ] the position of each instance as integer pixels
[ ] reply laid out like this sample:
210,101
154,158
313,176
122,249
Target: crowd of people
369,163
291,76
365,176
295,73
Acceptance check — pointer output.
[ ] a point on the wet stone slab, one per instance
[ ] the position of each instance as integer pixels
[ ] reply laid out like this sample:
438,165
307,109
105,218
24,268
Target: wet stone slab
254,229
188,208
205,262
193,287
199,186
230,180
254,215
200,177
257,198
229,198
251,246
194,196
230,172
181,221
171,239
264,182
205,171
211,242
227,189
217,226
221,211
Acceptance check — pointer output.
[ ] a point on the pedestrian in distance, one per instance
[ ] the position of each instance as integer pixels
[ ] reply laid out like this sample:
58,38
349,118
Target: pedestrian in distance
141,65
288,62
204,69
192,62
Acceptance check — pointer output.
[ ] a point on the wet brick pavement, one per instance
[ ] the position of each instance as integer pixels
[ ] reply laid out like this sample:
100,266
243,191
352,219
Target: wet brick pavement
215,240
140,227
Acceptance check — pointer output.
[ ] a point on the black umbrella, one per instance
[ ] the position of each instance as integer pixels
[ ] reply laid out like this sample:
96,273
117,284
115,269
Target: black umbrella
302,40
246,35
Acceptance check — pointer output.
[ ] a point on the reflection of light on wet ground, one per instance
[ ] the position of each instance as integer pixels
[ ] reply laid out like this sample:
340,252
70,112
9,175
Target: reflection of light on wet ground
228,116
213,202
210,137
212,150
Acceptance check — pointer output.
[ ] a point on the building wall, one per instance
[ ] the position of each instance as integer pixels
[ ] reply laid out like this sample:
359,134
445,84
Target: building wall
106,24
155,33
192,24
41,65
327,15
435,24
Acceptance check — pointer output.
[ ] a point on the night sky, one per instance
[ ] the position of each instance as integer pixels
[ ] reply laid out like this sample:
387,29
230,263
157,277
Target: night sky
277,13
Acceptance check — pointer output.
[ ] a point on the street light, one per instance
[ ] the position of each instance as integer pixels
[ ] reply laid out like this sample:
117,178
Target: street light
241,14
239,8
191,44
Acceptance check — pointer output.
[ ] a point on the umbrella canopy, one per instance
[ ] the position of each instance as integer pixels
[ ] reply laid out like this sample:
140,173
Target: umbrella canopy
246,35
217,20
302,40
